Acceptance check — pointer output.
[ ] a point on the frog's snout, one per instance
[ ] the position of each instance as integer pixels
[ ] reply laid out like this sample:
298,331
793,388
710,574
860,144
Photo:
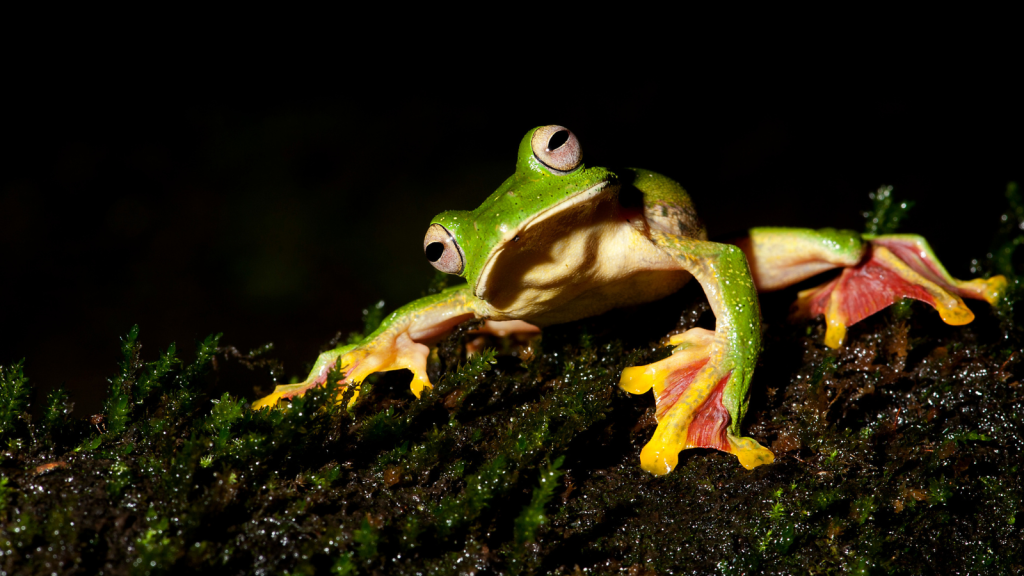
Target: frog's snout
443,252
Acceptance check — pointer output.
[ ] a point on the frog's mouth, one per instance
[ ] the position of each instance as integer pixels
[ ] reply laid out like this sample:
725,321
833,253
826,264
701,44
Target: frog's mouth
513,236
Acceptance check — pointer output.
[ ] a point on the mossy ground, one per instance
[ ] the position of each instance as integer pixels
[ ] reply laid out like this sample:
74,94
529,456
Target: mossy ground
897,454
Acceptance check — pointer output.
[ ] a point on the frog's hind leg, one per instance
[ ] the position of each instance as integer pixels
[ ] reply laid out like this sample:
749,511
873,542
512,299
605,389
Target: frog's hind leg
877,272
701,390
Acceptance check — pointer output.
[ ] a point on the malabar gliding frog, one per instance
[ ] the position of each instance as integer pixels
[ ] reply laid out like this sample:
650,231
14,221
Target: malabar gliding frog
559,241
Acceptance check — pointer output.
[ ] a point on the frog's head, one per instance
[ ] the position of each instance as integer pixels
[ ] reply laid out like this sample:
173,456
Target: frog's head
550,178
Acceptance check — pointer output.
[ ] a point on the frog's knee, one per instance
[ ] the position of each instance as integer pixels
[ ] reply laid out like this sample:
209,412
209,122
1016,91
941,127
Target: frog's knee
639,379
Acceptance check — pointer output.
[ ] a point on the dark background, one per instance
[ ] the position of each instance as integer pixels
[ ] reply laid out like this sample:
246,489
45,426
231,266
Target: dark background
247,196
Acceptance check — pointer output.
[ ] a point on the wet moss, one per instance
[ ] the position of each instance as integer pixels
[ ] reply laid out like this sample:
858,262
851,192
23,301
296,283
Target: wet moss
14,395
898,453
886,213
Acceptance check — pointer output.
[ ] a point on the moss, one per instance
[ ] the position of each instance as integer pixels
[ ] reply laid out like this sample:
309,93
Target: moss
56,414
458,510
5,497
462,476
886,214
522,552
14,394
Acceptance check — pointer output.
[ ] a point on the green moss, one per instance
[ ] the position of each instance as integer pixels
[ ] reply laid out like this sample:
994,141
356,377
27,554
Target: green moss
118,410
14,395
366,539
489,481
6,494
886,214
226,411
155,372
532,517
155,550
1008,237
120,477
56,413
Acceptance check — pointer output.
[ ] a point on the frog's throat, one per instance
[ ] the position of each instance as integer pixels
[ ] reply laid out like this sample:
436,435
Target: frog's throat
585,196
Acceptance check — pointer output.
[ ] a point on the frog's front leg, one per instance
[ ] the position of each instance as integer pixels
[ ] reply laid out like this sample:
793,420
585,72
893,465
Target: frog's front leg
401,342
877,272
701,390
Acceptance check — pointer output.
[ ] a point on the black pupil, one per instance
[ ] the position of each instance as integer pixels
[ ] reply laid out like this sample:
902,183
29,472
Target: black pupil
558,139
434,251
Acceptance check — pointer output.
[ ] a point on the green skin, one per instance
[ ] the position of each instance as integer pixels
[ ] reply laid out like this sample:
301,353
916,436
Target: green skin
550,246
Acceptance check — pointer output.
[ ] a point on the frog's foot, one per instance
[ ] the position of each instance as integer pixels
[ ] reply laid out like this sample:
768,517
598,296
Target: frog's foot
359,362
400,353
897,266
692,393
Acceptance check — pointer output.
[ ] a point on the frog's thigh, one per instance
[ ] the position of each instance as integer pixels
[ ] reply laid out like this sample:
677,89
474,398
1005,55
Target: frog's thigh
701,390
781,257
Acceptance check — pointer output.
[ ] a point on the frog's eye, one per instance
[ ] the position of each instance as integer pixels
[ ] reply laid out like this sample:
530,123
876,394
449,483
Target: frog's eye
443,251
557,148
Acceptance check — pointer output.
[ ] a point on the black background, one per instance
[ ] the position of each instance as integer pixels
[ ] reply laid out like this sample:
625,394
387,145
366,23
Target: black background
270,198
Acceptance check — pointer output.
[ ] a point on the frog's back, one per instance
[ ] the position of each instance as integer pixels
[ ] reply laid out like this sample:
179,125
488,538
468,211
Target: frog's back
666,205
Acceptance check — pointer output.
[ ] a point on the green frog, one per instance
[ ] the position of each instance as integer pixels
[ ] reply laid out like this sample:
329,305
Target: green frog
559,241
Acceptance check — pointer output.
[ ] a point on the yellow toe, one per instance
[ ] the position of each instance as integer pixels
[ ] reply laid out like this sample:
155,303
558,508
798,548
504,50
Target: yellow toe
750,453
659,459
835,332
639,379
990,290
419,382
953,311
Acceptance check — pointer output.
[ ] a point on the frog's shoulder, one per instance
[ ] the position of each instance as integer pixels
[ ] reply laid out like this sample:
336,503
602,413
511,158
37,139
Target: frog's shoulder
666,205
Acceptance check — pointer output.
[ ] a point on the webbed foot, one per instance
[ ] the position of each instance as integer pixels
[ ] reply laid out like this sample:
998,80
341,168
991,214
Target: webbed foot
696,393
358,362
896,266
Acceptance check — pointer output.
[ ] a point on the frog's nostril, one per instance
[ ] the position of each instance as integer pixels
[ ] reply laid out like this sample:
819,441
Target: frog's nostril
434,251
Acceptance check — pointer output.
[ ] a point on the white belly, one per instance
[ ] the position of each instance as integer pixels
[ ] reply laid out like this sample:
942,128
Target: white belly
579,264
